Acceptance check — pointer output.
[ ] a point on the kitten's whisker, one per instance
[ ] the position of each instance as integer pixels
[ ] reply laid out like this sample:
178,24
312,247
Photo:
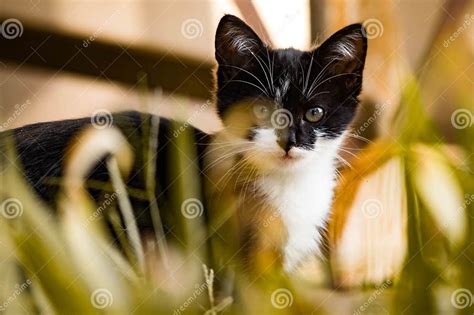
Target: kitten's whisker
233,169
226,156
243,81
249,180
253,75
271,69
230,143
348,152
309,73
320,75
344,161
302,75
334,76
264,72
242,169
359,137
324,92
338,174
340,148
220,147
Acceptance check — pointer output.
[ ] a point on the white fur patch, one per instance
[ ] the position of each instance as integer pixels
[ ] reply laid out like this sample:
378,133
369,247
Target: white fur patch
301,192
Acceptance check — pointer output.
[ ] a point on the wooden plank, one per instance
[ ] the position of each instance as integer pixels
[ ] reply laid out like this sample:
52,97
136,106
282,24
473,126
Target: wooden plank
110,61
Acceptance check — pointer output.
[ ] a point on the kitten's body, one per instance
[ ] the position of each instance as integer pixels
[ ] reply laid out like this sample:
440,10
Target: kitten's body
42,149
285,211
270,174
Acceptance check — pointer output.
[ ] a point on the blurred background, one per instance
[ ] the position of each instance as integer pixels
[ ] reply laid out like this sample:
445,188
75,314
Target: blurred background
401,237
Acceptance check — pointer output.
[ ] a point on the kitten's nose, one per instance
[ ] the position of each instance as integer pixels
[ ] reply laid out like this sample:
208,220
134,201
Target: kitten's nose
287,140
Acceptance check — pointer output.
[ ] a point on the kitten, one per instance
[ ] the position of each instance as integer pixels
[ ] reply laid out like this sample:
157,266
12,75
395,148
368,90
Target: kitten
269,175
285,113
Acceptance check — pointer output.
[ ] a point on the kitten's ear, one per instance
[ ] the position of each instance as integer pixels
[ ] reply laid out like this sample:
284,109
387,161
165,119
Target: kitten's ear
345,51
235,41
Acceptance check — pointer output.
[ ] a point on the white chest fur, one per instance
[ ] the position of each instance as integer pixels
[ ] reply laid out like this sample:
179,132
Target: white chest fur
303,200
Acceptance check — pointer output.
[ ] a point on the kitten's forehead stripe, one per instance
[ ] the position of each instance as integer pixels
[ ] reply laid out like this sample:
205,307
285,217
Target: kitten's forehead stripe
282,89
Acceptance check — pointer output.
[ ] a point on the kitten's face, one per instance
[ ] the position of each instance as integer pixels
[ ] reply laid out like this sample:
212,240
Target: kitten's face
284,107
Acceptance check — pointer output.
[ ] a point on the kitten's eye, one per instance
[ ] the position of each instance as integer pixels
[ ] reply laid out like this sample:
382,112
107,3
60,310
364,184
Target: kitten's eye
261,111
314,114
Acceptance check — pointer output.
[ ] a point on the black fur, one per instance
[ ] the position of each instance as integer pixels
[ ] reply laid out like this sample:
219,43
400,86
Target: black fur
42,147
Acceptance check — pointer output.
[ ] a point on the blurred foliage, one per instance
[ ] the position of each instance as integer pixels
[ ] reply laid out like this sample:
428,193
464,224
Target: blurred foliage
70,259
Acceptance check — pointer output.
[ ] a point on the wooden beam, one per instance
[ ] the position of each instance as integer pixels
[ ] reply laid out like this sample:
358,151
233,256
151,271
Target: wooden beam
251,16
69,52
318,21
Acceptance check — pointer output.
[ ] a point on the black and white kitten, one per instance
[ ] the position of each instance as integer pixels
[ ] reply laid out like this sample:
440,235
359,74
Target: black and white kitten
285,113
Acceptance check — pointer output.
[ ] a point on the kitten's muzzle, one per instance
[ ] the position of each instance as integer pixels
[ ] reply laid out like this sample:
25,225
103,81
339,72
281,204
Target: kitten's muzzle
287,139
